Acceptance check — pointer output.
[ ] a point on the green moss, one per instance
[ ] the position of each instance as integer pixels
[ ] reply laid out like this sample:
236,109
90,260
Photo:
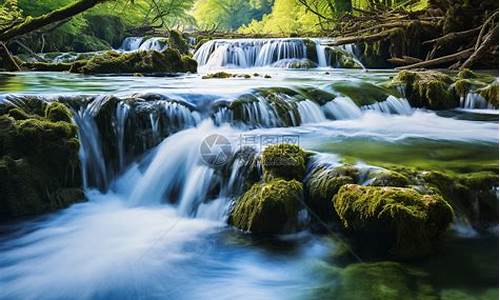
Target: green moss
324,183
284,161
168,61
268,208
490,93
382,281
218,75
39,163
409,222
428,89
177,41
50,67
317,95
341,59
57,111
388,178
361,92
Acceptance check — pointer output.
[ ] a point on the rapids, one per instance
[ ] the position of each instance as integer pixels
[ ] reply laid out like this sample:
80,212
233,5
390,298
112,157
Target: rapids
154,224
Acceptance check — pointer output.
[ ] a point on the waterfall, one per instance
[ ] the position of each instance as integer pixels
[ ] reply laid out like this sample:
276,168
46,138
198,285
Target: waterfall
342,108
93,165
391,105
310,112
138,43
474,101
351,49
122,110
131,43
245,53
321,53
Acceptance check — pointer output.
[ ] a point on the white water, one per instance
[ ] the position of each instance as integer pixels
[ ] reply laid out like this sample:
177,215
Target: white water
474,101
246,53
138,43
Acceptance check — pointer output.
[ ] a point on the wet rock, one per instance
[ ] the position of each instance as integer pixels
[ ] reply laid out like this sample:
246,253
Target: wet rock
284,161
268,208
428,89
168,61
382,281
387,178
39,163
322,183
407,222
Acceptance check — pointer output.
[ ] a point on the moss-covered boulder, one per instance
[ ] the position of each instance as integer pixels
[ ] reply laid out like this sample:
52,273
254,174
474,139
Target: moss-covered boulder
362,92
428,89
342,59
472,194
322,183
404,220
382,281
167,61
268,208
490,93
387,178
285,161
39,163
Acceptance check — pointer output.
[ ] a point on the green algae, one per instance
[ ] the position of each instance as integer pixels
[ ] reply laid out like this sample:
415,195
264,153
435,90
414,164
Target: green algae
284,161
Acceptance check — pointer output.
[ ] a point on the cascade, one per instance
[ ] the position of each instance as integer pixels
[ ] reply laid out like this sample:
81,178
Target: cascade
474,101
131,43
342,108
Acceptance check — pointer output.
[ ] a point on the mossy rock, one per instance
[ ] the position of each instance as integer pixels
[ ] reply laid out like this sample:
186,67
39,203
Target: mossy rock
341,59
387,178
109,28
268,208
311,52
39,162
177,41
382,281
218,75
490,93
471,194
408,222
284,161
361,92
323,183
428,89
319,96
168,61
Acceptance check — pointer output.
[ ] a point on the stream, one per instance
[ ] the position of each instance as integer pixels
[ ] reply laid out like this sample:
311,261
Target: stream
151,227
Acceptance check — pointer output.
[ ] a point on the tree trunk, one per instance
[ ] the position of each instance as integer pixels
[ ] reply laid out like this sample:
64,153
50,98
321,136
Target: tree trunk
31,24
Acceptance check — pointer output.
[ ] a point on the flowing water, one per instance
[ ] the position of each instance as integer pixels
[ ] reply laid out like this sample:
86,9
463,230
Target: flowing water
154,226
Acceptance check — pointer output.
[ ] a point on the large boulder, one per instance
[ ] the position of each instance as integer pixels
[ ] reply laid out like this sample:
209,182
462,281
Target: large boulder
428,89
39,163
407,222
268,208
322,183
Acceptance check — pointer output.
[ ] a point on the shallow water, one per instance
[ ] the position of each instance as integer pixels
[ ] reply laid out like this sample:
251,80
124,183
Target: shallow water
130,244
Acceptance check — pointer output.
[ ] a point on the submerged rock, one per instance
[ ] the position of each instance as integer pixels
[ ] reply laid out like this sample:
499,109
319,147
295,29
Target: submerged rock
39,163
167,61
387,178
408,222
382,281
284,161
268,208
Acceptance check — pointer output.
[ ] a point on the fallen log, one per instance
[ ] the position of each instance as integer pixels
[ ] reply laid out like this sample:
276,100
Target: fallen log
453,36
482,50
367,38
7,61
440,60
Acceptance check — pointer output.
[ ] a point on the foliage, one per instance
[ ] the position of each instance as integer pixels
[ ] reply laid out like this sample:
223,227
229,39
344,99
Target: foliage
228,14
